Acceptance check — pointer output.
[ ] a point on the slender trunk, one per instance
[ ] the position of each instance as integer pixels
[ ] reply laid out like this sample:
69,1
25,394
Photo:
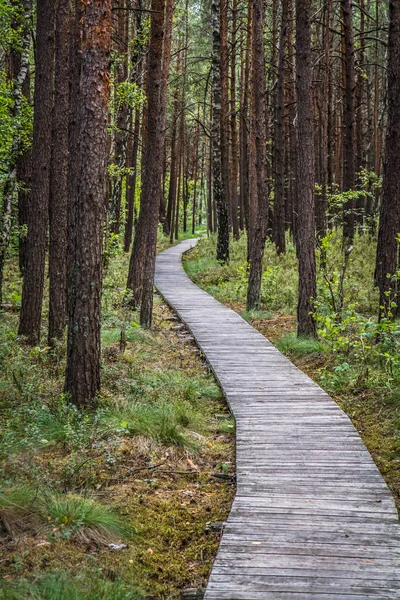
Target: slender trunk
219,190
38,210
169,222
153,153
131,183
224,71
349,120
305,183
233,172
59,178
279,195
195,173
122,114
166,62
389,226
259,233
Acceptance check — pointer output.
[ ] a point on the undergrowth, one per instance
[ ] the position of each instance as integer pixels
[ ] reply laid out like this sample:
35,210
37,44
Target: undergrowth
100,502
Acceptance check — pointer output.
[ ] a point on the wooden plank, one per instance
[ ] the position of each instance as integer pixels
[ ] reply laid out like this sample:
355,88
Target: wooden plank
312,518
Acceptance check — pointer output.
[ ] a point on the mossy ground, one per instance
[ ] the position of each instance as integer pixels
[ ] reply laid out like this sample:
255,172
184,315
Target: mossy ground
166,493
370,401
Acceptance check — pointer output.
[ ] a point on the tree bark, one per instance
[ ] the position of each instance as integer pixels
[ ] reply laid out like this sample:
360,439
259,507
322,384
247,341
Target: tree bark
84,324
59,178
279,195
305,182
389,226
219,191
233,126
349,120
153,155
258,233
38,210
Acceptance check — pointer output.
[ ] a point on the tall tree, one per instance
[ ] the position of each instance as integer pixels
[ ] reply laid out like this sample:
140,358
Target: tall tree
349,119
389,226
305,170
153,153
258,228
59,177
220,198
279,191
37,215
85,280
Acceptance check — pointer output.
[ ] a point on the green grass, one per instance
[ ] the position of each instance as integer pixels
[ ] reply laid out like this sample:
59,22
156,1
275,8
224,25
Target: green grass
168,424
85,519
66,587
228,283
65,515
291,344
20,508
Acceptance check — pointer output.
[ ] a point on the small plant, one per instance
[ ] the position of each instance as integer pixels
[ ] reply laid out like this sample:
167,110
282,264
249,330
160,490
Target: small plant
84,519
164,423
19,508
291,344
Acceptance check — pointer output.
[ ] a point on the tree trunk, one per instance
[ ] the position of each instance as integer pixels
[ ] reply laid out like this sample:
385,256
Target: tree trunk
153,154
305,182
389,226
258,233
279,195
83,353
219,190
131,182
349,120
38,210
233,172
121,75
169,222
59,178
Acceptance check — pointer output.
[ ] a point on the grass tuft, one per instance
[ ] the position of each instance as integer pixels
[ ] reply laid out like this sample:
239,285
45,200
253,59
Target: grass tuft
19,507
84,519
164,423
291,344
65,587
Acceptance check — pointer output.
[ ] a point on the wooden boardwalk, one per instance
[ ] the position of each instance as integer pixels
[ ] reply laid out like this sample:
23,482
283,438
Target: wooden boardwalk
312,518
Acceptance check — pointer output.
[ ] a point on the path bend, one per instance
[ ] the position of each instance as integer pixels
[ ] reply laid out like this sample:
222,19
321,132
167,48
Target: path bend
312,518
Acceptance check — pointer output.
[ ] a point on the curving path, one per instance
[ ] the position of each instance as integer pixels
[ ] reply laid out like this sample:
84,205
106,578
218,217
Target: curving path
312,518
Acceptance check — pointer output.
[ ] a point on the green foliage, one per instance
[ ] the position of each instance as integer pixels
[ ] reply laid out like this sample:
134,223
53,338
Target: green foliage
165,423
65,515
229,282
291,344
62,586
129,94
87,520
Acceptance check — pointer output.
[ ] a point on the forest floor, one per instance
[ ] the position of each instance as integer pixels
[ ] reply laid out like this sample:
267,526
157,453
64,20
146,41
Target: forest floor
115,502
356,360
